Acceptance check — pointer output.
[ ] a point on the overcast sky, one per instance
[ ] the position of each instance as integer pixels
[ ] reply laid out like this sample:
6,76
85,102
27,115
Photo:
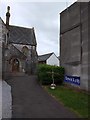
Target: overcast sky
43,16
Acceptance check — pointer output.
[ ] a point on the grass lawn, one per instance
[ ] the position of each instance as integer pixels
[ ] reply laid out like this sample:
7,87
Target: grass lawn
77,101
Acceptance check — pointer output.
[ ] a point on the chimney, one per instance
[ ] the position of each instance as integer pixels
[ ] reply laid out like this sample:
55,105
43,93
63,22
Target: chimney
7,17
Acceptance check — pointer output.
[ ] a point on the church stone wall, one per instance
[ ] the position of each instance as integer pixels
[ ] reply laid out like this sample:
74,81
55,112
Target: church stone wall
3,38
0,49
89,46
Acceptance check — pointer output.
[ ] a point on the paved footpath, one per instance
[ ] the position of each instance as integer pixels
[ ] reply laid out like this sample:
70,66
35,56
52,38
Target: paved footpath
30,100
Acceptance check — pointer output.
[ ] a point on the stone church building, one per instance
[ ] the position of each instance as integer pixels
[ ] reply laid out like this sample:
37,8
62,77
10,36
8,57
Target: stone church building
74,43
18,48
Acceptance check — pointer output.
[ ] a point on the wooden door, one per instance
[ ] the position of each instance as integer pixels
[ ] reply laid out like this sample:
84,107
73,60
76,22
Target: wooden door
15,65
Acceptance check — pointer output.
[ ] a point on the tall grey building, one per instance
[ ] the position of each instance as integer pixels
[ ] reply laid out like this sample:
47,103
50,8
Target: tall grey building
74,42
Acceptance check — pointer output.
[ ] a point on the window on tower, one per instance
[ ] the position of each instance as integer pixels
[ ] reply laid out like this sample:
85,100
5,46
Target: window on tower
25,50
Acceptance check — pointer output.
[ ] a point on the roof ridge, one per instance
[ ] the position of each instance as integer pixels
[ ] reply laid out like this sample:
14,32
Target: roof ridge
46,54
21,27
2,20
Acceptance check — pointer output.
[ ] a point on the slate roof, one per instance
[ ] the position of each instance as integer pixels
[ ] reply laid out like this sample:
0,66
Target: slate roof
21,35
44,57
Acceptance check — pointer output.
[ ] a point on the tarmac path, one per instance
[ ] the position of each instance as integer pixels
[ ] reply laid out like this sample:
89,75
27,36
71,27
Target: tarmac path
30,100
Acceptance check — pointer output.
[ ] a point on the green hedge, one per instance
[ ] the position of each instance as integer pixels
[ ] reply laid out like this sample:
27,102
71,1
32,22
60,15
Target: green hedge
45,74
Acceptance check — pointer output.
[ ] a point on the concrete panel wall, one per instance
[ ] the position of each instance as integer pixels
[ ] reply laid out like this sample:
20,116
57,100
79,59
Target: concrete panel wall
70,17
76,43
72,70
71,46
84,77
84,34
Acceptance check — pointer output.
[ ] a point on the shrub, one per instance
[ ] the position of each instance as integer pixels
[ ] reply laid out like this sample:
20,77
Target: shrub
45,74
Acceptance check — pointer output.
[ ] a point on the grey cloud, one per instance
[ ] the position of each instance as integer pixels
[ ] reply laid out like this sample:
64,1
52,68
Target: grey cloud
44,17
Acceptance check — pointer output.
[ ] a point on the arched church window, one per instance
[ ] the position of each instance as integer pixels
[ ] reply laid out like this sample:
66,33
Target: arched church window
25,50
33,47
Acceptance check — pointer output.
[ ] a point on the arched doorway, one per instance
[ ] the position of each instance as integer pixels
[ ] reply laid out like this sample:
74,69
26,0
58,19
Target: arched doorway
15,65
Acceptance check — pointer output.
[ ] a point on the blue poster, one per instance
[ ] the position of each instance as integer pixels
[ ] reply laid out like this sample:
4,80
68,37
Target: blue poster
72,79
